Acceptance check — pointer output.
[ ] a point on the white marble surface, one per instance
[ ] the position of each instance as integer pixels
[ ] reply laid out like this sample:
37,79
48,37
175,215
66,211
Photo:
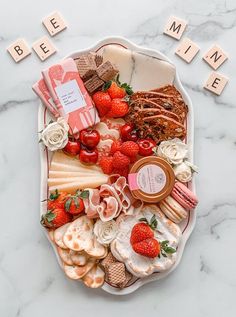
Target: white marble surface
31,282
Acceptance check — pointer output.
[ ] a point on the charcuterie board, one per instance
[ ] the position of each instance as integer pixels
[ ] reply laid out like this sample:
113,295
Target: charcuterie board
98,244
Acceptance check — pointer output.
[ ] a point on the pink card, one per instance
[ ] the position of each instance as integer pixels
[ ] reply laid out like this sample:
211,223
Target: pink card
42,91
70,96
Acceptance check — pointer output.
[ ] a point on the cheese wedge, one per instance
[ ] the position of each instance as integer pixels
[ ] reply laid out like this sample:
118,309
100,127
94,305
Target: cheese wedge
58,174
62,158
86,179
70,168
81,184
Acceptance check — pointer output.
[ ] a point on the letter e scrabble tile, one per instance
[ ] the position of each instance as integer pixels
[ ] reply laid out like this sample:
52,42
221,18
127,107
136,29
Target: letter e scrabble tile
175,27
215,57
216,83
19,50
187,50
44,48
54,23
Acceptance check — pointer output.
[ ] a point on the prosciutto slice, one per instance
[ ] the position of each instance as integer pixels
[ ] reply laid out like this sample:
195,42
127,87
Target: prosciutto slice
91,203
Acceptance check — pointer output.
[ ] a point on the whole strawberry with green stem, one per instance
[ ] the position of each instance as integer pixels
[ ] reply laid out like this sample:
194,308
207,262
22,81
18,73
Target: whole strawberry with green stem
143,240
74,203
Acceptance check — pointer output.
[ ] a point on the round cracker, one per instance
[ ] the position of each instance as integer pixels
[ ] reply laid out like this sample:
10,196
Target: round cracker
95,277
58,236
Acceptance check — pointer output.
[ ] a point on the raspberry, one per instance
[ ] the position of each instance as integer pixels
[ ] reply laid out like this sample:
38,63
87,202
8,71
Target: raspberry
129,148
121,171
120,160
106,164
115,147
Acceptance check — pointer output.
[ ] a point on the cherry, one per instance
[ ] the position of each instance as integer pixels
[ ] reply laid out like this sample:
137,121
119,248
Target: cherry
72,147
146,146
128,133
89,138
88,156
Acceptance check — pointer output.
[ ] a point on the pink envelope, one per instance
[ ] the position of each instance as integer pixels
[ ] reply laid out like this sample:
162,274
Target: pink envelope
70,95
42,91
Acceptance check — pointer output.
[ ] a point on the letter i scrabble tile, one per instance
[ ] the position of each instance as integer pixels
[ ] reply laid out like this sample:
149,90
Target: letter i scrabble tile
187,50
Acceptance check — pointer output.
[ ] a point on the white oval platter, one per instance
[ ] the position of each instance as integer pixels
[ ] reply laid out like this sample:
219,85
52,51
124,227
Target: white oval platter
138,79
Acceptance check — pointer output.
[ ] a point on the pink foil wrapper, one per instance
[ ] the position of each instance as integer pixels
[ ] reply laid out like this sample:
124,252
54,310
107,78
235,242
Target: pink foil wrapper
42,91
70,95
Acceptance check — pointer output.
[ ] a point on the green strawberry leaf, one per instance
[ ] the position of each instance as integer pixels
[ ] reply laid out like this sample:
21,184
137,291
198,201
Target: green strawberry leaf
166,249
143,220
106,85
127,88
76,201
54,196
68,204
153,222
169,250
49,216
84,194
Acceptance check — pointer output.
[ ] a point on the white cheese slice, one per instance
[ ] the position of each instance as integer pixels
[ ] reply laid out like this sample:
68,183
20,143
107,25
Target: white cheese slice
85,179
65,174
82,184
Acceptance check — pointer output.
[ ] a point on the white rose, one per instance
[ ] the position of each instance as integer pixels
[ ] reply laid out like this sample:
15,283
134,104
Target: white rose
105,231
55,135
183,172
174,151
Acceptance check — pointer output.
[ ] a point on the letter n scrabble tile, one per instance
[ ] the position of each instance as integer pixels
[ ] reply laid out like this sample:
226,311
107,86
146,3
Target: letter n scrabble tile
44,48
54,23
187,50
19,50
216,83
215,57
175,27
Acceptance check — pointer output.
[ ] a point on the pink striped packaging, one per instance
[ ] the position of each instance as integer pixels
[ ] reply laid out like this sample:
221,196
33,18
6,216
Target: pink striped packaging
42,91
70,96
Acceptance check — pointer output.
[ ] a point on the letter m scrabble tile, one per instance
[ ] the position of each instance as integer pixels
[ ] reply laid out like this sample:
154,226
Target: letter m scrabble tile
215,57
175,27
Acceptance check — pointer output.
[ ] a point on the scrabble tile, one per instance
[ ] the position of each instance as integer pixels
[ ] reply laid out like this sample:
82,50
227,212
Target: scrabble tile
215,57
175,27
44,48
19,50
54,23
187,50
216,83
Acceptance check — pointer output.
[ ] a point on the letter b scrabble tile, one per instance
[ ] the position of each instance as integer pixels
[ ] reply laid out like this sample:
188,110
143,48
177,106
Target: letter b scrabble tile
215,57
54,23
187,50
19,50
216,83
44,48
175,27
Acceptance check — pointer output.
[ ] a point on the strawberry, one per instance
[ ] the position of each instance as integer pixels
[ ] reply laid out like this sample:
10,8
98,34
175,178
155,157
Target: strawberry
129,148
74,203
102,102
120,160
149,248
115,147
121,171
106,164
119,108
115,91
141,231
55,218
56,200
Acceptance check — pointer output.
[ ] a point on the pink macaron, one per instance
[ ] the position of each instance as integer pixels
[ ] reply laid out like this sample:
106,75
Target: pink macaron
184,196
